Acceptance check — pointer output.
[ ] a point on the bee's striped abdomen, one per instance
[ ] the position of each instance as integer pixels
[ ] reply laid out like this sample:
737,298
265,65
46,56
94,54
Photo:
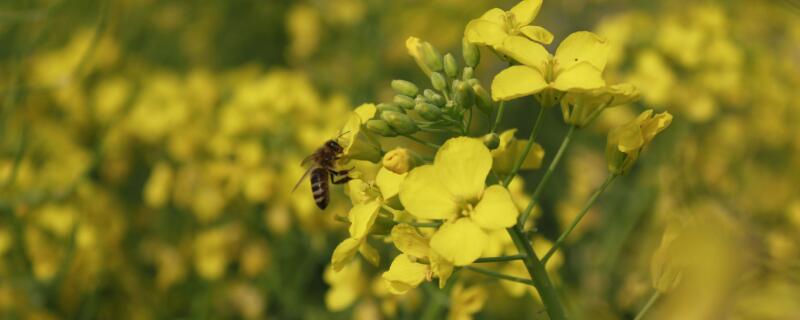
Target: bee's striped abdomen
319,187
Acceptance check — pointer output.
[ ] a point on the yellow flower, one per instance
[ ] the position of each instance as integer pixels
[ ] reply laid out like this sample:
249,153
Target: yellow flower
357,142
626,142
346,285
464,302
453,189
362,216
400,160
577,66
496,25
406,273
510,149
581,108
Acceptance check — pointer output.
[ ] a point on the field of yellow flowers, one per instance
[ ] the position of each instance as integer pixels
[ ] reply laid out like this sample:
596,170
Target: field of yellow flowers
365,159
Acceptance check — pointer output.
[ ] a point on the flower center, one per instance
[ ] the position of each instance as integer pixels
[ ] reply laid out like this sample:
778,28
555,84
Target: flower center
466,209
511,25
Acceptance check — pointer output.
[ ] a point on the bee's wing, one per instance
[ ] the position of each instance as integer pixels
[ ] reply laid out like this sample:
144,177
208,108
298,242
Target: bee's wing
303,178
307,159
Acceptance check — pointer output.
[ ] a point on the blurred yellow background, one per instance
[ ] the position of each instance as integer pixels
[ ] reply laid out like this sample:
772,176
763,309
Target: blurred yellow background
148,150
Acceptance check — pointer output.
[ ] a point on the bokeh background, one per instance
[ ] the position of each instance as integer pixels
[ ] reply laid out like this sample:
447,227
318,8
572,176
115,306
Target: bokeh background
148,150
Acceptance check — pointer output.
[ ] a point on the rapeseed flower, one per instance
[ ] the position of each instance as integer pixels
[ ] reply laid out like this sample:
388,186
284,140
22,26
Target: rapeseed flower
494,26
509,150
406,271
576,66
626,142
581,108
453,189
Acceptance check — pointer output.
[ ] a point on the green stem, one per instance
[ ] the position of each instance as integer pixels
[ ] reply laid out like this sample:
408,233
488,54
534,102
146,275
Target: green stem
499,117
501,258
538,191
499,275
649,304
539,275
429,144
578,218
528,146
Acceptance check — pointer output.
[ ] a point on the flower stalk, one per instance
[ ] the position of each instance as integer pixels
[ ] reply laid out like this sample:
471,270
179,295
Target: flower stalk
528,146
550,169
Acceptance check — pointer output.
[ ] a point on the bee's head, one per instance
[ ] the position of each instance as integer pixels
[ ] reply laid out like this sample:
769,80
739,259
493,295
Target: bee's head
333,145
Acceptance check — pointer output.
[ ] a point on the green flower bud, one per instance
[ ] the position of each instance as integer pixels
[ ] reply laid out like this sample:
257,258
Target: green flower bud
468,73
428,111
438,81
380,128
472,55
482,99
384,107
450,66
400,122
434,97
491,140
463,96
432,58
405,88
405,102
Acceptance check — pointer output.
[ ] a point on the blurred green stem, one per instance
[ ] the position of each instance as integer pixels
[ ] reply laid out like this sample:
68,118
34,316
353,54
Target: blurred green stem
553,165
501,258
648,305
578,218
499,118
499,275
418,140
538,273
528,146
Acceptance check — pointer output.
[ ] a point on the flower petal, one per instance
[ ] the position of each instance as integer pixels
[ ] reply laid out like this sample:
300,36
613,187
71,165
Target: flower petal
460,242
582,46
343,253
526,11
362,217
462,165
526,52
537,33
389,182
405,274
517,81
581,76
370,254
495,15
441,268
425,197
496,210
485,32
414,48
409,241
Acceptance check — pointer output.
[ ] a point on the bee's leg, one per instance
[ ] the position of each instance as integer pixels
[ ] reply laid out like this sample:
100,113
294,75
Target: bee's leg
344,179
340,172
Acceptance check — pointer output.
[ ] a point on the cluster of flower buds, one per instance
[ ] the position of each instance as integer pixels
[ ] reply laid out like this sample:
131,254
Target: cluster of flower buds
454,91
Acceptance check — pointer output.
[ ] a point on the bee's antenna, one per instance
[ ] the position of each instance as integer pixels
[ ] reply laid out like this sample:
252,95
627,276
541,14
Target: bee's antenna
343,133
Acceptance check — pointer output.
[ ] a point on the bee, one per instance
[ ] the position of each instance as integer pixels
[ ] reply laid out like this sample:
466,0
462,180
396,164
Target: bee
323,168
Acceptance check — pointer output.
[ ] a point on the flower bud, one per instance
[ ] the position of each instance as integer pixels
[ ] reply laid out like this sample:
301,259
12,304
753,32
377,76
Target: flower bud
625,143
380,127
383,107
405,88
400,122
432,58
491,140
434,97
468,73
463,95
400,160
438,81
428,111
482,99
404,102
472,55
450,66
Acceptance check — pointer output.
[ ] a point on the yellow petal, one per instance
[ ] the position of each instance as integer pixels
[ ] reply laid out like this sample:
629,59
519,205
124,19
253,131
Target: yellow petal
462,165
582,46
365,111
526,52
628,137
404,274
537,33
494,15
460,242
496,210
389,182
359,144
525,11
414,47
409,241
581,76
362,217
425,197
344,252
441,268
655,125
370,254
534,158
517,81
340,298
485,32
